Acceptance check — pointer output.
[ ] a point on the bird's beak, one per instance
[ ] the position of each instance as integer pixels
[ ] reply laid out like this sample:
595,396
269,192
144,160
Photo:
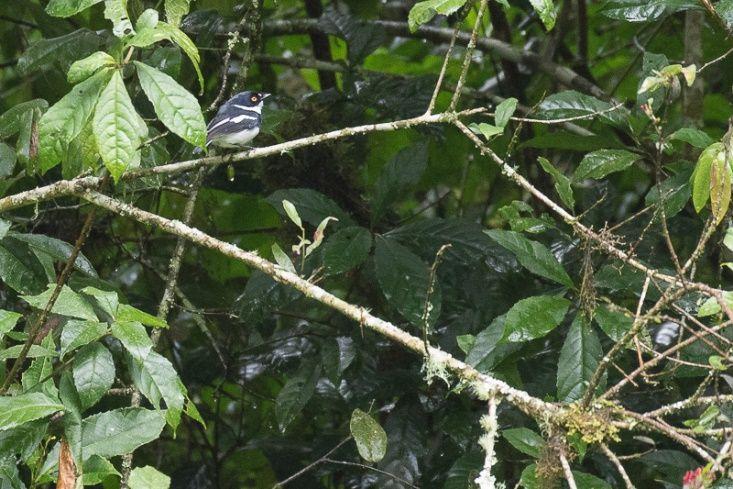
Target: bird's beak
265,95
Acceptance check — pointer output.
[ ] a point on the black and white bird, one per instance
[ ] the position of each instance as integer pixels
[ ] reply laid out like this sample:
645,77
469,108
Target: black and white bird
238,121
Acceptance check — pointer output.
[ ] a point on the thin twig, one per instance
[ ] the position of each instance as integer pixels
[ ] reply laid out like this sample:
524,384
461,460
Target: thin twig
312,465
617,463
567,472
468,56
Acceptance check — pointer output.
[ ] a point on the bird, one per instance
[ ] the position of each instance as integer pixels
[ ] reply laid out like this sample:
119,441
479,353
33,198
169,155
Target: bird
238,121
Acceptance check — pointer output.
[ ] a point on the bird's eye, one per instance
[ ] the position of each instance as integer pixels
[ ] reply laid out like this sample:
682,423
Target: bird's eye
253,98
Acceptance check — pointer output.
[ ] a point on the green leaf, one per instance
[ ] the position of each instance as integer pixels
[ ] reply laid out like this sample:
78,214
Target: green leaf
313,207
148,35
404,280
117,128
133,337
701,177
488,349
720,188
84,68
570,103
486,130
296,393
20,268
614,324
534,317
534,256
68,303
282,259
346,249
121,431
23,440
361,37
116,11
94,373
37,377
424,11
56,249
528,479
504,112
107,301
173,104
692,136
580,356
292,213
23,408
546,10
79,333
157,380
12,119
644,10
175,10
126,313
67,8
398,177
8,320
61,50
66,119
603,162
148,477
7,160
674,192
562,183
588,481
711,305
96,469
524,440
370,437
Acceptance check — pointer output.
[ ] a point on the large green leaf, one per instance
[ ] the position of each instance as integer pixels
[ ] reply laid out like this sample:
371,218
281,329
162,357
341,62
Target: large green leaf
79,333
546,10
346,249
66,119
562,183
424,11
370,437
398,176
175,10
94,373
133,337
579,358
296,393
404,280
615,324
603,162
117,128
68,303
675,191
24,439
524,440
67,8
61,50
20,268
57,249
12,119
534,256
361,37
84,68
487,349
148,478
7,160
534,317
701,177
116,11
644,10
588,481
574,104
157,380
121,431
8,320
173,104
23,408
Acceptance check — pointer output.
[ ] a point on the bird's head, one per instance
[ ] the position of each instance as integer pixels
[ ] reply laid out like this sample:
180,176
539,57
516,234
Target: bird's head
249,100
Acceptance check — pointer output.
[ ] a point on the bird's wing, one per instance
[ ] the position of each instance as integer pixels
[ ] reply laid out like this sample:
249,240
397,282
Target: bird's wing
229,123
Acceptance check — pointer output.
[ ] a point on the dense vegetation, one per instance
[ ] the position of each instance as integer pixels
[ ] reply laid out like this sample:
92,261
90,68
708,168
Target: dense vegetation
476,244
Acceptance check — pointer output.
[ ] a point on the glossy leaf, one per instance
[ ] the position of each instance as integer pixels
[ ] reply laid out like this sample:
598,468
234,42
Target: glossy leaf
570,103
66,118
69,303
404,280
692,136
614,324
148,478
11,119
117,128
370,437
158,381
84,68
524,440
57,249
127,313
504,111
346,249
547,12
701,178
175,10
60,50
79,333
424,11
562,183
23,408
8,320
603,162
643,10
296,393
579,358
720,188
174,105
94,373
67,8
133,337
534,317
534,256
120,431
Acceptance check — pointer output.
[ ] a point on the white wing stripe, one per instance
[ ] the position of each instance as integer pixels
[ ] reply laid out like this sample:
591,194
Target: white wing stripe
240,118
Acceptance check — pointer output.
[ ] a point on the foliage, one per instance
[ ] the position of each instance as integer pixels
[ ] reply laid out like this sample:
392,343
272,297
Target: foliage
562,241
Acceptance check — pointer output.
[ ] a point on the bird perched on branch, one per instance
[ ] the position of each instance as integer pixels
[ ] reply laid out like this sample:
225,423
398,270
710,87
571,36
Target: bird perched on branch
238,121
